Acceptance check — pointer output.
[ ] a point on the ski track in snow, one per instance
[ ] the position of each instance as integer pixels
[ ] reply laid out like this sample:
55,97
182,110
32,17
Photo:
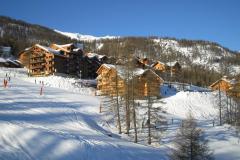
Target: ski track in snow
58,125
62,124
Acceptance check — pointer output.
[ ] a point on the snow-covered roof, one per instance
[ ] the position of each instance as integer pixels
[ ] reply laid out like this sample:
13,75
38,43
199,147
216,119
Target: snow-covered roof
64,45
27,49
109,66
61,47
2,60
17,61
171,64
77,49
48,49
231,81
152,65
226,79
98,56
12,61
122,71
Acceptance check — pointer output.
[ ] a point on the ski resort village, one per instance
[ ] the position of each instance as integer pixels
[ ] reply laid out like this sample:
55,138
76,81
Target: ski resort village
133,96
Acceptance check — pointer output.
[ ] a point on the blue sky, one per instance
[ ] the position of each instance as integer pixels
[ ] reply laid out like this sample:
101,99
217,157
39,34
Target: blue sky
213,20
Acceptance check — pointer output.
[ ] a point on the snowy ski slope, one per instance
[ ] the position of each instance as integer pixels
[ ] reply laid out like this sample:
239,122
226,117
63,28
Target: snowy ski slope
64,123
58,125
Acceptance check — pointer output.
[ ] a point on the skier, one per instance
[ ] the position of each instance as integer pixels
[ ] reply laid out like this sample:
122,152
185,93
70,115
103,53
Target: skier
4,83
41,89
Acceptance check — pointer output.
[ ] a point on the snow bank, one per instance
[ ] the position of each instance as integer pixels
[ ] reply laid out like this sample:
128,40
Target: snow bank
61,82
201,104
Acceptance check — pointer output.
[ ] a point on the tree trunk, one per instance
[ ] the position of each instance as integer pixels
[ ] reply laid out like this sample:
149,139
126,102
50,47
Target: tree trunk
148,121
117,100
118,112
220,106
134,113
127,112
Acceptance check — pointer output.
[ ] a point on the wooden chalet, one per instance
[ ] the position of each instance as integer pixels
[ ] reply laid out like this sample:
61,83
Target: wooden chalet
159,66
170,67
101,58
224,84
68,59
145,61
42,60
173,67
78,63
108,80
112,78
67,49
137,62
234,90
74,62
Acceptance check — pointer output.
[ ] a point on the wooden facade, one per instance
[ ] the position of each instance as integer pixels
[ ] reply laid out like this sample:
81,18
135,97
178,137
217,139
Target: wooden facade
159,66
223,84
173,67
234,90
66,49
74,62
41,60
143,83
108,81
170,67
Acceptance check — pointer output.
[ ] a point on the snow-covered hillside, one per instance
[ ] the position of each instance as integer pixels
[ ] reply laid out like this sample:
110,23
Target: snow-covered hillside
82,37
206,54
64,123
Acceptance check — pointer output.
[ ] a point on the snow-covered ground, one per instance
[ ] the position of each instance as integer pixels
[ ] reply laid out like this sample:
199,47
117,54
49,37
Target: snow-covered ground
223,140
64,122
59,124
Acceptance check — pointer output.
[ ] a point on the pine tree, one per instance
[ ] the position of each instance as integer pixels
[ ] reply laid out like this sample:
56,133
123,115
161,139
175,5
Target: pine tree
189,143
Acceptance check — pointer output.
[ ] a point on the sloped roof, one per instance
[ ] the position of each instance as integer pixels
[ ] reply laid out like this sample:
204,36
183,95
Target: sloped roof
158,62
122,71
61,47
64,45
48,49
92,55
224,78
171,64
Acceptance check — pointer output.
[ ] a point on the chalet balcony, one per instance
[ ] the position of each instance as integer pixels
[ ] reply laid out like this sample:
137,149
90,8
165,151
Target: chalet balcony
37,55
34,73
37,66
37,61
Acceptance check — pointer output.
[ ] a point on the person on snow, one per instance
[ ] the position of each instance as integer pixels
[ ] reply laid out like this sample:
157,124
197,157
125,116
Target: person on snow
5,83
